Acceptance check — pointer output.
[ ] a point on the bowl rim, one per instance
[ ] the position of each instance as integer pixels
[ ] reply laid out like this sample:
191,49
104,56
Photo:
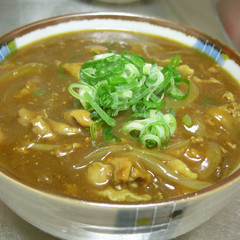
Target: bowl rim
187,30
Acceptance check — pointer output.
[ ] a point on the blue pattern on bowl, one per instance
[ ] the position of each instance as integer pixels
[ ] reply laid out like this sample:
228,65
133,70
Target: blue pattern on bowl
210,50
7,49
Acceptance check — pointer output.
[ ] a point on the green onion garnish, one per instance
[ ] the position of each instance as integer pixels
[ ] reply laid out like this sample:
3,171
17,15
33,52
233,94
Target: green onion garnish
110,121
109,136
39,93
113,82
208,101
156,129
186,119
61,71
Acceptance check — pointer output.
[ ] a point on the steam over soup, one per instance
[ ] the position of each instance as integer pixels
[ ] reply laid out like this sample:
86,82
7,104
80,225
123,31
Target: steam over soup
117,116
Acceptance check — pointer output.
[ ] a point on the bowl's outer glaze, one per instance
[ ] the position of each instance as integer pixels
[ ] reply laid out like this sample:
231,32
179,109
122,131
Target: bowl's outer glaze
74,219
71,218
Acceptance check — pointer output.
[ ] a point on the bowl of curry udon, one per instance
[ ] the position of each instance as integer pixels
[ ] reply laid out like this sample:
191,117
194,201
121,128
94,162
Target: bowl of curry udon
117,125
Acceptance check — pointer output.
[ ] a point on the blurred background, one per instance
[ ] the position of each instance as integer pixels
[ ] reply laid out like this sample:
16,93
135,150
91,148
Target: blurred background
228,13
218,18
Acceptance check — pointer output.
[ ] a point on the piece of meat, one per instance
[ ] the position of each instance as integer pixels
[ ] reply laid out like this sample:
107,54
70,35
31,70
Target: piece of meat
124,195
127,171
63,128
140,173
185,71
99,173
232,106
26,116
214,69
96,49
222,117
211,80
81,116
122,169
70,68
234,109
42,128
30,86
228,96
70,189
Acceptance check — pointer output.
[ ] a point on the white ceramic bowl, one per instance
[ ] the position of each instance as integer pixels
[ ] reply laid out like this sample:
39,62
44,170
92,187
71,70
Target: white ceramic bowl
72,218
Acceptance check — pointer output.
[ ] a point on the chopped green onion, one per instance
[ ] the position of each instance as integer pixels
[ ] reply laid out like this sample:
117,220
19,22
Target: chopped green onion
110,121
103,56
39,93
83,88
109,136
113,82
154,130
209,101
92,132
187,120
94,116
175,92
172,112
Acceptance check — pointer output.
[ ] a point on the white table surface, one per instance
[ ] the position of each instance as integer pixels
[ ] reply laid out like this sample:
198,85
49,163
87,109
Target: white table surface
196,13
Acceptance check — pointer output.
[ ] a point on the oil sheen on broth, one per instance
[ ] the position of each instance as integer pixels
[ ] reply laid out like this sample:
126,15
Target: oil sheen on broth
45,135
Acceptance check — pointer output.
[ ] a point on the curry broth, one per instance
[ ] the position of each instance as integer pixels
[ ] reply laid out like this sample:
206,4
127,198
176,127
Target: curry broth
59,167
